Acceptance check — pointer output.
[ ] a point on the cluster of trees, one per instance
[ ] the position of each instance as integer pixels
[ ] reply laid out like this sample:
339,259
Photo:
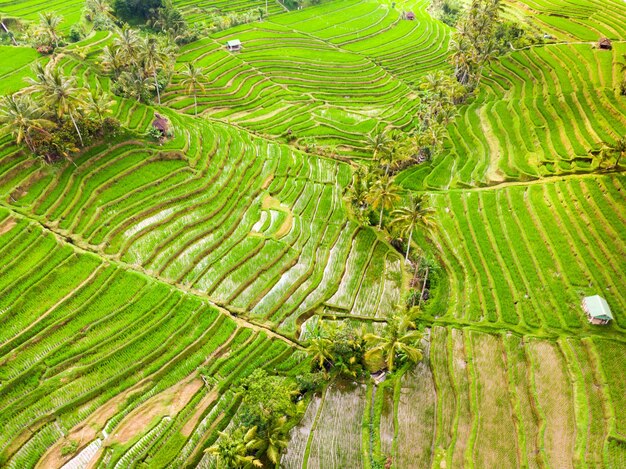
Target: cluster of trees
480,36
338,349
270,406
446,11
374,192
54,116
138,64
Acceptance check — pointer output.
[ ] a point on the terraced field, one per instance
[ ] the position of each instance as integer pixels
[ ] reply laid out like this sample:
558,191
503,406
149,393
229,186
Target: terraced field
523,256
543,401
582,20
71,10
248,223
141,281
197,11
541,112
88,351
278,85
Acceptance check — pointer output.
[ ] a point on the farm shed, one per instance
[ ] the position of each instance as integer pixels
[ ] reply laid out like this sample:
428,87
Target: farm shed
410,16
597,309
233,45
161,124
605,43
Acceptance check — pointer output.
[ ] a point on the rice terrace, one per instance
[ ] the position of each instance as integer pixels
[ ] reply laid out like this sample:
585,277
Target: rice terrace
323,234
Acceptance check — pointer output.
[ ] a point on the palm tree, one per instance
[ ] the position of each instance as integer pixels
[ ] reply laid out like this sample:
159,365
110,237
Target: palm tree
154,56
20,116
397,341
59,93
617,150
411,216
383,195
98,103
320,351
193,82
272,441
99,7
135,85
378,142
48,26
113,60
128,42
231,450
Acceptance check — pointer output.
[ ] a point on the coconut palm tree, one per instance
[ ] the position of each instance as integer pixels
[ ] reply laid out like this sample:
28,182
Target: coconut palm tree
135,85
113,60
193,82
154,56
20,116
320,351
98,103
49,26
383,195
99,8
409,217
616,150
59,93
397,341
272,441
231,450
378,142
129,45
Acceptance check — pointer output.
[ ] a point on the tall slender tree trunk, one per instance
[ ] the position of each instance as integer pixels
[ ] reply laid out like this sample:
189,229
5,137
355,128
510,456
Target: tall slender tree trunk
156,83
619,157
9,33
380,219
408,247
424,285
195,102
80,137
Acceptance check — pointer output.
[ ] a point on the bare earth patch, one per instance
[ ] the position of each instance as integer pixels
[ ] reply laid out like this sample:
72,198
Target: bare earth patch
85,432
7,225
168,402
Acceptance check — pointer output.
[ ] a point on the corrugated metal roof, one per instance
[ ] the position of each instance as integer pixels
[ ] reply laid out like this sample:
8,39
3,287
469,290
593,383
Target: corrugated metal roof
597,307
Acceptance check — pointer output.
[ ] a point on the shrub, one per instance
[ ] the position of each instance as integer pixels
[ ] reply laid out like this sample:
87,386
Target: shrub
69,448
77,33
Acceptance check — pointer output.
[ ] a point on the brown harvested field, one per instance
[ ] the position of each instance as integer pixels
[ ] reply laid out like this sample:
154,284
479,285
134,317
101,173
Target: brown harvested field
416,418
495,443
555,401
168,402
336,441
299,436
6,225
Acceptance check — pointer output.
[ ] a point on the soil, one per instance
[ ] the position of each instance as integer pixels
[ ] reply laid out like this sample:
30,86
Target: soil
7,225
169,402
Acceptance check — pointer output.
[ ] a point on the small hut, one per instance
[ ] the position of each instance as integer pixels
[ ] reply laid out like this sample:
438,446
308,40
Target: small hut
161,124
597,309
410,16
234,45
605,44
